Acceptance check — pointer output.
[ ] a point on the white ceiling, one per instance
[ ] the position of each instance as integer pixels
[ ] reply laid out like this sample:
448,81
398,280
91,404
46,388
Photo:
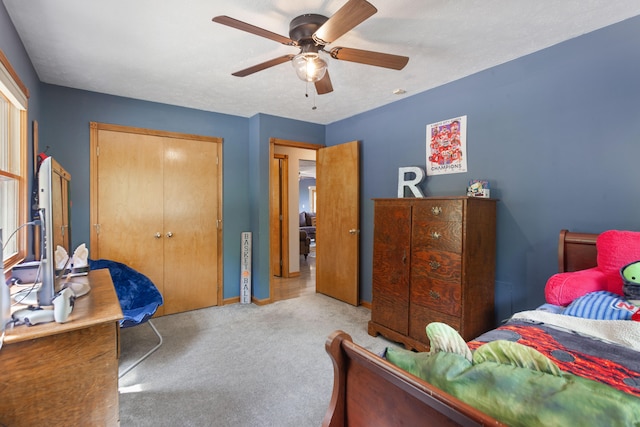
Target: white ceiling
307,169
171,52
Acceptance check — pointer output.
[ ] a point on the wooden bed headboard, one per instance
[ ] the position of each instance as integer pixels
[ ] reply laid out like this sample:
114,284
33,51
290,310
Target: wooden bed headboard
576,251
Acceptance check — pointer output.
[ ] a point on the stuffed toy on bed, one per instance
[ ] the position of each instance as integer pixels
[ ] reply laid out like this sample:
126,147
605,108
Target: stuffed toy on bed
616,249
631,278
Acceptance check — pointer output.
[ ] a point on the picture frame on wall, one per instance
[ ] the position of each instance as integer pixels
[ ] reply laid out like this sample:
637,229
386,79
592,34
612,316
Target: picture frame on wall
447,146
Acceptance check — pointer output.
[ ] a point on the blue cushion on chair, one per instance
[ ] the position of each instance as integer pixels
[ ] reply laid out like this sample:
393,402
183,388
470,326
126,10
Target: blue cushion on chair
139,298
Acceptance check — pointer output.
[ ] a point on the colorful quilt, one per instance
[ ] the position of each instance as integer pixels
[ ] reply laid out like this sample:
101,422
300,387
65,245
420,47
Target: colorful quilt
529,373
578,354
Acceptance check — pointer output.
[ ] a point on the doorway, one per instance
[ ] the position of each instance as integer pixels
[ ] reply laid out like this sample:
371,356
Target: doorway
292,271
337,221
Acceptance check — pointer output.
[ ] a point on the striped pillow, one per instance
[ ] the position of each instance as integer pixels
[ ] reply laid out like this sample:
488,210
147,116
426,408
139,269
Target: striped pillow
601,305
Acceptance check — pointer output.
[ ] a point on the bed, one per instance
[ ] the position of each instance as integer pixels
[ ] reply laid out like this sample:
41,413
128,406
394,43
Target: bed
368,390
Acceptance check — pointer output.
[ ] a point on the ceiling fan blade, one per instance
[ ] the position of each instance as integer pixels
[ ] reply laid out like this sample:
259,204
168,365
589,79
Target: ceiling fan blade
368,57
345,19
263,66
324,85
234,23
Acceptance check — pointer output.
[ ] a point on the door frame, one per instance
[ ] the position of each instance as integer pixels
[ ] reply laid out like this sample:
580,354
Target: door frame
272,144
279,215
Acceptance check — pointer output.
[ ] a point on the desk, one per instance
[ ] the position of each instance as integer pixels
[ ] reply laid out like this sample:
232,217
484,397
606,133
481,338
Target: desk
65,374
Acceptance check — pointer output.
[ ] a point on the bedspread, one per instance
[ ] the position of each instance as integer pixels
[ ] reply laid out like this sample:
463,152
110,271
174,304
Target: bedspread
532,374
592,357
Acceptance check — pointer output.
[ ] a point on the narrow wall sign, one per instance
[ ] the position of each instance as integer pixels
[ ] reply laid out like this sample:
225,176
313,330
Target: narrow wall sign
409,177
447,146
245,268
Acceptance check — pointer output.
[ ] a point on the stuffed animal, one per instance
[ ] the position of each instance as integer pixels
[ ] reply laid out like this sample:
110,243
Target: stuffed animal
631,281
616,249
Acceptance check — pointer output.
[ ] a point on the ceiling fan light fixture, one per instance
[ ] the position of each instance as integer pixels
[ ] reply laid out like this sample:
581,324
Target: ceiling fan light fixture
309,66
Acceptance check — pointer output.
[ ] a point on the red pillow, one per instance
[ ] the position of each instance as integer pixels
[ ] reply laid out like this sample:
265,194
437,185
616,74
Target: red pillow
563,288
615,250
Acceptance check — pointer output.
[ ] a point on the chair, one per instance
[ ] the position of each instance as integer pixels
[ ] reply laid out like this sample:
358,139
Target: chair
305,244
139,299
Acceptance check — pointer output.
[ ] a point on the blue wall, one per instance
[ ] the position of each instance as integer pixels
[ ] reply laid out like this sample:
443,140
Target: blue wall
265,127
557,133
304,204
65,128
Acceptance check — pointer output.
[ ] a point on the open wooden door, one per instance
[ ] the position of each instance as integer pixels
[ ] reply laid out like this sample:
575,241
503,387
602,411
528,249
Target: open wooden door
338,222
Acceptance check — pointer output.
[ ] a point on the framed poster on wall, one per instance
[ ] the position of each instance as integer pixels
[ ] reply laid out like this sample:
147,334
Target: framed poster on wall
447,146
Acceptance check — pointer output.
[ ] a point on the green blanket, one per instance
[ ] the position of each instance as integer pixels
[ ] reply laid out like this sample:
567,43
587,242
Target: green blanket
515,384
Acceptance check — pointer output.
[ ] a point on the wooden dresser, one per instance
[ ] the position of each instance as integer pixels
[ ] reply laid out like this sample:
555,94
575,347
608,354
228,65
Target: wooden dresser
65,374
433,261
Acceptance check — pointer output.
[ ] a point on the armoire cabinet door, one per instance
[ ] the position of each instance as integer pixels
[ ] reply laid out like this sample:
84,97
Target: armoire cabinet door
391,266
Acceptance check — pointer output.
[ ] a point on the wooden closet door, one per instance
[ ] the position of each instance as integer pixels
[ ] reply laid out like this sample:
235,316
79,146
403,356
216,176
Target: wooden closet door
156,206
190,228
129,196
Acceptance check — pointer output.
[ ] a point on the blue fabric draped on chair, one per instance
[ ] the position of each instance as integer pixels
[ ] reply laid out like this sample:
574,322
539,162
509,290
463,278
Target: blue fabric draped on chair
139,298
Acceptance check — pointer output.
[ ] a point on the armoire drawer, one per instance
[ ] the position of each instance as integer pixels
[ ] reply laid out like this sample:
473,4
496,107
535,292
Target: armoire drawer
441,295
440,235
439,210
428,265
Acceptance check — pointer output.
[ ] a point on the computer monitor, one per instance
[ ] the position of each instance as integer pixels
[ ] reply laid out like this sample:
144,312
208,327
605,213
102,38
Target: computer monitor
54,205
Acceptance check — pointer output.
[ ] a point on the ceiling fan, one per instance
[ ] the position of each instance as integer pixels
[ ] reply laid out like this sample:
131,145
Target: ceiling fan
311,33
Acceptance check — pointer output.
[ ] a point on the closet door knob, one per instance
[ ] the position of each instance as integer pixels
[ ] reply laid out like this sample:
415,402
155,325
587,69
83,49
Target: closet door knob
157,235
170,234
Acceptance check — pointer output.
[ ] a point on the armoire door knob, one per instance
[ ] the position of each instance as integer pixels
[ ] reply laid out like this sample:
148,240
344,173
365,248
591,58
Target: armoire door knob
170,234
157,235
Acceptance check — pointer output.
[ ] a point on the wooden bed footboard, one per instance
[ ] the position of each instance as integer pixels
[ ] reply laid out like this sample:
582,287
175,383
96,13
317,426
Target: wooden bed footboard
369,391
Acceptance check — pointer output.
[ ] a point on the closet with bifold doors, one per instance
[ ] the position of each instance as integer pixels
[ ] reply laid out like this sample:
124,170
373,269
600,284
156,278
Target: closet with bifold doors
156,205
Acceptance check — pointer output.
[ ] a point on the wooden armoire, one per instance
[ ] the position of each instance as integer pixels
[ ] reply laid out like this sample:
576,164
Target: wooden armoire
433,261
156,205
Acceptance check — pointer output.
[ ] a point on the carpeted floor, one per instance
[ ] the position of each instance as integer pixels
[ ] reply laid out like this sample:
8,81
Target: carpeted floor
238,365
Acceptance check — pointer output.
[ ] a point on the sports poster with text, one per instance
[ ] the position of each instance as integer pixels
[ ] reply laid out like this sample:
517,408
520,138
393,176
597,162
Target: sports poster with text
447,146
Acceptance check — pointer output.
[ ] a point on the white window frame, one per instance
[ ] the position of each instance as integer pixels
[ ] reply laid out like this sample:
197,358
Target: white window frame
13,162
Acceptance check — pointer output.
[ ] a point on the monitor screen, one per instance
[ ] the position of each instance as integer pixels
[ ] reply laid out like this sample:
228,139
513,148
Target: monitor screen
54,208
